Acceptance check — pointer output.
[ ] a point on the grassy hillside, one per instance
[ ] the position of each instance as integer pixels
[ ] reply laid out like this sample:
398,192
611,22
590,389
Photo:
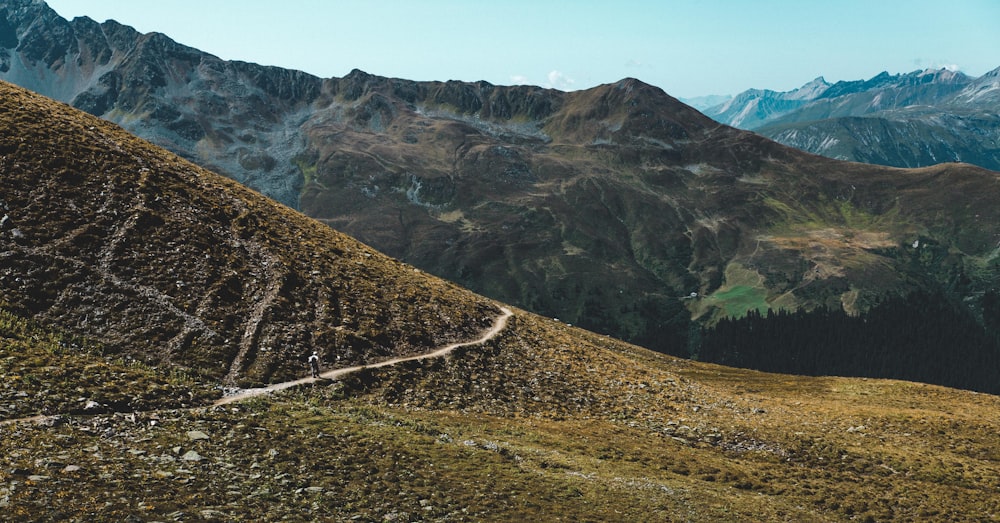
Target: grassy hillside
48,373
545,423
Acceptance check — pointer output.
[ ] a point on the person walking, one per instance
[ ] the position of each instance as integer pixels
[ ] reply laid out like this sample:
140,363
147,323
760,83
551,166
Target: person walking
314,364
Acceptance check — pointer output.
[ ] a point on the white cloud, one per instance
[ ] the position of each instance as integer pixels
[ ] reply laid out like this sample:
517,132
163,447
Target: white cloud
559,80
633,63
519,79
924,63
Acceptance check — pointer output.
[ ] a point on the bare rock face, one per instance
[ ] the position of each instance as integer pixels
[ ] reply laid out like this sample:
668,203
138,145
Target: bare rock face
236,118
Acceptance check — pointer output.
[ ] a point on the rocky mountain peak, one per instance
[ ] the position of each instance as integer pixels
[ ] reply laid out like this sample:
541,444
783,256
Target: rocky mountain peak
809,91
232,116
984,91
943,75
884,81
920,118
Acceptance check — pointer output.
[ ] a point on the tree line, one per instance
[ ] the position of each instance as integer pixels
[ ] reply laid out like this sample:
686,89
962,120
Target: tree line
923,337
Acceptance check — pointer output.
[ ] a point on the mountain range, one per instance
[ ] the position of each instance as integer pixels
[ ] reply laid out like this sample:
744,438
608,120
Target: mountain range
916,119
616,208
136,288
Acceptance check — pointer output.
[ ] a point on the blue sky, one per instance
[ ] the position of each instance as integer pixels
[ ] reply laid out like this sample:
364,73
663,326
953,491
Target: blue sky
687,47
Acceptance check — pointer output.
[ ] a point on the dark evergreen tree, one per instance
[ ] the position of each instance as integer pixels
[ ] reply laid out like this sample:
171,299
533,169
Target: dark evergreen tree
922,337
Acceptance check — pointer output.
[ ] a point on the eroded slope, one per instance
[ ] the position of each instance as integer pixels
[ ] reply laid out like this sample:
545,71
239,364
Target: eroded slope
112,239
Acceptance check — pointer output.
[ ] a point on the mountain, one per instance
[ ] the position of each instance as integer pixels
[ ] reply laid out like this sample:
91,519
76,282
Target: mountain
818,100
704,102
133,283
235,118
750,109
906,120
618,208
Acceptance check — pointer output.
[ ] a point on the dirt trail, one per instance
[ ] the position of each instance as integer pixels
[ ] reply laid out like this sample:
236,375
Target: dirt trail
498,325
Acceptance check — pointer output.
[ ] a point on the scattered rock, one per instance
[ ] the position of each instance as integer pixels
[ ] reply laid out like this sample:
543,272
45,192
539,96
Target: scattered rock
53,421
191,456
195,435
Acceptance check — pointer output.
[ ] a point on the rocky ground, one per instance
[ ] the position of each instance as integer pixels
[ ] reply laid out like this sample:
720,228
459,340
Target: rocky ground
545,422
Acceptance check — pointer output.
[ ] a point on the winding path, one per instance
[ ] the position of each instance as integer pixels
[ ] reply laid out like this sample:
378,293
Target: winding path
498,325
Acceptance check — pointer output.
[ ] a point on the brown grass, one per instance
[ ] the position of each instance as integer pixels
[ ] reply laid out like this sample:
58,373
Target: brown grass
546,423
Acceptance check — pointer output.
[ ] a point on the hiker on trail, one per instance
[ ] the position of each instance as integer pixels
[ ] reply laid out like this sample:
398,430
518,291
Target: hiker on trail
314,364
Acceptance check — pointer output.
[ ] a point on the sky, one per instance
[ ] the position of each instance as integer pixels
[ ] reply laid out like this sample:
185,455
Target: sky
689,48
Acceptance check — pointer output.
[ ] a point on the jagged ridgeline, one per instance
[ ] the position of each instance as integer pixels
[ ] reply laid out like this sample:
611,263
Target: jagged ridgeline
916,119
153,258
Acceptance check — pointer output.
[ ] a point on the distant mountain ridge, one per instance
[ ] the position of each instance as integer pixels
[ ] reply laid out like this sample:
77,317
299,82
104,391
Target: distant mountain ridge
905,120
750,108
704,102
